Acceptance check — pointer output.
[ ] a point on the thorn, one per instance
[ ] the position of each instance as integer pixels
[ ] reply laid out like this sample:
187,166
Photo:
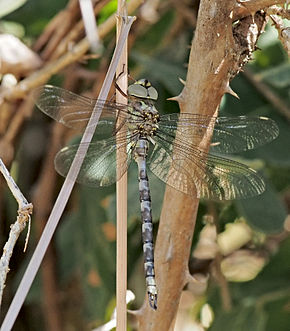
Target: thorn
198,278
230,91
182,81
135,312
176,98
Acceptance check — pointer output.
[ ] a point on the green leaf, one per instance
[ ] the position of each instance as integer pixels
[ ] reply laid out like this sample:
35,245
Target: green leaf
269,37
250,99
276,152
278,76
7,7
107,11
265,212
244,317
151,38
165,72
278,315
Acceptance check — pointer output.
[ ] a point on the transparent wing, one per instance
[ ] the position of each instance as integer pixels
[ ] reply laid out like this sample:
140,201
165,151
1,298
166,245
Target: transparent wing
74,110
198,174
230,134
100,163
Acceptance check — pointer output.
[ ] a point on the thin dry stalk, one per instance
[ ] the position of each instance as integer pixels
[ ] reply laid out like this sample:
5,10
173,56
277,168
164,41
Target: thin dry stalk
275,10
64,194
90,24
75,33
121,188
24,211
57,28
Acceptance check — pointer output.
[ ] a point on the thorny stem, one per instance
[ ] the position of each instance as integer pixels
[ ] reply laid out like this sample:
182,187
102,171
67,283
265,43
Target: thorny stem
24,211
215,57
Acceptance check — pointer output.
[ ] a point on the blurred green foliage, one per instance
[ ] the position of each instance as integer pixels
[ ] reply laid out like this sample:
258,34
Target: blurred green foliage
85,239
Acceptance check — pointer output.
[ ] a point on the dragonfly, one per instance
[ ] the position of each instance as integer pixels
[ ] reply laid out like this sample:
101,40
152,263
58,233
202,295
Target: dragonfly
167,144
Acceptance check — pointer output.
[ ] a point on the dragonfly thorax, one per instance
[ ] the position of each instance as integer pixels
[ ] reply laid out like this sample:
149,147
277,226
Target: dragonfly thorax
149,117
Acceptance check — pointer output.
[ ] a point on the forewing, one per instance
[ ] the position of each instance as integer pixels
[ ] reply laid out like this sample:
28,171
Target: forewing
99,167
74,110
230,134
194,172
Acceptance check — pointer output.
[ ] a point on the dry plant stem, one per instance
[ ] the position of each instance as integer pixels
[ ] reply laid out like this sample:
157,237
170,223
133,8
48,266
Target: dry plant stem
23,112
22,202
24,211
121,188
213,60
89,20
268,94
244,7
7,141
57,29
187,13
221,279
77,52
223,284
64,194
75,33
275,10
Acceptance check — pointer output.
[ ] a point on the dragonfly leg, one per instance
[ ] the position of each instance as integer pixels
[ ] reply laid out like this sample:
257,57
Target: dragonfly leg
116,84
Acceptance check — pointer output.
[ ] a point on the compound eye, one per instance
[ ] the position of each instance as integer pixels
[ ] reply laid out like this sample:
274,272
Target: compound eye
152,93
138,91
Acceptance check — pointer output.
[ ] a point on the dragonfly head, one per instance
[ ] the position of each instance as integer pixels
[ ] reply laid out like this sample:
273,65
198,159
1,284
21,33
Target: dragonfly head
142,88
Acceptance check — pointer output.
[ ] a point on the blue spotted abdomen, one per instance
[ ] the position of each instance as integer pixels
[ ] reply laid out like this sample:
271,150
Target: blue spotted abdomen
146,217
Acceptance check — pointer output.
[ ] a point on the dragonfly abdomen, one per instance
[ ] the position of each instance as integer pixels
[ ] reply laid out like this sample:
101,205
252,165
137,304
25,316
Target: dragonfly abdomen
146,216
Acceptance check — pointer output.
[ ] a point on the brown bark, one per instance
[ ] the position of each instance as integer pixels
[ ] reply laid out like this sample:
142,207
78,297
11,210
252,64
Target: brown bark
216,56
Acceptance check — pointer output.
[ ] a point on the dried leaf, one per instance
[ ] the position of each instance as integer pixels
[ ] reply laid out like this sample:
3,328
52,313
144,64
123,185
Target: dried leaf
15,57
242,266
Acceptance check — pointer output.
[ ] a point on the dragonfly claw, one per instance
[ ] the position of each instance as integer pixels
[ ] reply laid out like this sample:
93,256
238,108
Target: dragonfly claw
152,300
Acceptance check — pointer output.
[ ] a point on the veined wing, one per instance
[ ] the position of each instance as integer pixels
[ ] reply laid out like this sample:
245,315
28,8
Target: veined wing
230,134
74,110
102,166
198,174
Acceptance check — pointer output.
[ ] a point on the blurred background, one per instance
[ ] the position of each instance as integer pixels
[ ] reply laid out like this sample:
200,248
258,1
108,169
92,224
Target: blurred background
241,249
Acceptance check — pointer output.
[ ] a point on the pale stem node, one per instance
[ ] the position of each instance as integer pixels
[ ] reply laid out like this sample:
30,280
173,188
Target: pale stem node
24,211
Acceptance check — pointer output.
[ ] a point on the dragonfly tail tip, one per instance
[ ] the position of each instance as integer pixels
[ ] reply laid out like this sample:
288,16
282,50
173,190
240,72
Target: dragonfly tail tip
152,300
